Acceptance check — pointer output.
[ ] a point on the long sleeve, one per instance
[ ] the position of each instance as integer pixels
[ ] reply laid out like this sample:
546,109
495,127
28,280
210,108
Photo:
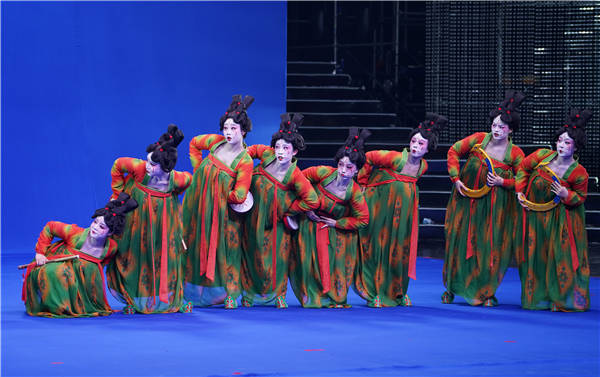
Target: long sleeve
384,159
459,149
123,166
201,143
316,174
307,196
259,150
517,156
381,158
364,173
525,168
182,180
578,182
359,212
242,181
55,229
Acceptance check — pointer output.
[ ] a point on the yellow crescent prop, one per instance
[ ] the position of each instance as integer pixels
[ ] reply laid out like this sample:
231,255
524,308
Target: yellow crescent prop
542,207
478,193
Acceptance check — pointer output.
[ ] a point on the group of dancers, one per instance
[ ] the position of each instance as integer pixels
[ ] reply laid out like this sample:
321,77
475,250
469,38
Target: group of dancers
243,231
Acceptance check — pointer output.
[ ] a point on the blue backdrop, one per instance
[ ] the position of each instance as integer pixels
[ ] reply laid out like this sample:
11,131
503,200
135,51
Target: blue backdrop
84,84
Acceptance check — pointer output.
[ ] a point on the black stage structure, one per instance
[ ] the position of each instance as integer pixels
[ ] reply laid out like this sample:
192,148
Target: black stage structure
382,65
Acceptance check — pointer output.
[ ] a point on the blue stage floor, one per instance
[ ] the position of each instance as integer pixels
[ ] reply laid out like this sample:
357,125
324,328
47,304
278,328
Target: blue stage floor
428,339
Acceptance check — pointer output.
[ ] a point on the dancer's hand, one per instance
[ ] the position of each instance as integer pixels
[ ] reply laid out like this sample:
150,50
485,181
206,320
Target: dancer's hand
40,259
521,199
329,222
559,190
460,186
494,180
312,216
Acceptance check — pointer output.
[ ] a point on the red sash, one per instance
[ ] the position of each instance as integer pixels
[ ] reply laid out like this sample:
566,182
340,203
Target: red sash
208,262
322,240
323,255
277,185
163,292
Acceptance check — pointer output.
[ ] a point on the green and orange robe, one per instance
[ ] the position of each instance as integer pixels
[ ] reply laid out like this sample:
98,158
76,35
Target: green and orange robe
323,263
72,288
553,257
213,231
267,241
147,271
388,244
480,232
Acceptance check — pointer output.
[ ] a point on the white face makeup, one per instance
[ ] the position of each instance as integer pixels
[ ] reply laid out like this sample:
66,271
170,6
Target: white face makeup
98,228
565,145
500,130
284,151
418,146
232,132
346,169
152,168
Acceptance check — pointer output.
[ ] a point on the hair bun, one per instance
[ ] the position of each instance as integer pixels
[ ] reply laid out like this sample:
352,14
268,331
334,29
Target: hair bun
353,147
508,109
114,212
237,112
433,123
288,131
164,152
579,117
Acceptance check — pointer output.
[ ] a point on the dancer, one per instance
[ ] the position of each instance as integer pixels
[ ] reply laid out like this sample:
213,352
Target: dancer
280,191
481,217
212,229
322,268
388,245
151,249
552,187
75,287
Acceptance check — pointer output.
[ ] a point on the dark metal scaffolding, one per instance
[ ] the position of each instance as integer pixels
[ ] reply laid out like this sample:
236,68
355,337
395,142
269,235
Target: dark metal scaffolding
550,50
